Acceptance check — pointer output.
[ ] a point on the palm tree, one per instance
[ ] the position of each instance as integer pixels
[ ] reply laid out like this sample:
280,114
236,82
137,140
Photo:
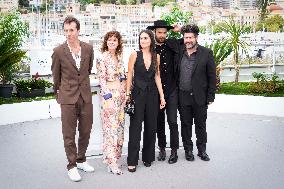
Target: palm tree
262,7
176,16
235,31
13,31
221,49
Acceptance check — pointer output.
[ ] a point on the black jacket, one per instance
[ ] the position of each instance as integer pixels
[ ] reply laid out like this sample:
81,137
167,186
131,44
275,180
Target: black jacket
203,74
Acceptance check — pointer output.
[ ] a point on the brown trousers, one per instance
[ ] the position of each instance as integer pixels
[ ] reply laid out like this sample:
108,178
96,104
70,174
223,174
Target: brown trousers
71,114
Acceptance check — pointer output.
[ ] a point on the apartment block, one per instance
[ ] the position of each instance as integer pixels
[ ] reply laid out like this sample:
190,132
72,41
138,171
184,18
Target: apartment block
225,4
7,5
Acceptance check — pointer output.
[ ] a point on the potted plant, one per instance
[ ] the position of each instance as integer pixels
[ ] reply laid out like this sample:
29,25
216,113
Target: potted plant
13,32
31,87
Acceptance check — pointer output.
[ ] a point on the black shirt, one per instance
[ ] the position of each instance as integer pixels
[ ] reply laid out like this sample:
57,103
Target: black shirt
167,67
186,67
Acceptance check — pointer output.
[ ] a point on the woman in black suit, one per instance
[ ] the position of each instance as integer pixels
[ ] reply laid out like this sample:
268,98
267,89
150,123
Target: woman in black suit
144,75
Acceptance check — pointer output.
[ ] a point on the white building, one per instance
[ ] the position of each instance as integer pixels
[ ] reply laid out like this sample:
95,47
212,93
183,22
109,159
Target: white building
280,2
7,5
247,4
225,4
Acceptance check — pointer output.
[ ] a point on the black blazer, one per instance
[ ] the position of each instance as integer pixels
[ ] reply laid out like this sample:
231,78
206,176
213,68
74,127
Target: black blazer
203,74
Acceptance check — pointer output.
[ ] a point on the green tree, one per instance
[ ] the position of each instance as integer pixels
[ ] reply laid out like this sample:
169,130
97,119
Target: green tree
85,2
43,8
109,1
272,24
217,27
262,7
235,31
13,32
176,16
23,3
161,3
132,2
221,50
122,2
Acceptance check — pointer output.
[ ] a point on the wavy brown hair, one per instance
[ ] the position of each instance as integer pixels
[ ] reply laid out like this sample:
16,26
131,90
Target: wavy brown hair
116,34
152,47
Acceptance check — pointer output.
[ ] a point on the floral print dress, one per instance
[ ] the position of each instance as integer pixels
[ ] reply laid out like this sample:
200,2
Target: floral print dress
112,109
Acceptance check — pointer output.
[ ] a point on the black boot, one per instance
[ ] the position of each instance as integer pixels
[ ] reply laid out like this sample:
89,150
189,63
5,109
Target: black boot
162,155
173,157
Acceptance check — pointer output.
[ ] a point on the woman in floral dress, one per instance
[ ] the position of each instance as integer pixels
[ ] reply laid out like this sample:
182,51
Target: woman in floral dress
112,95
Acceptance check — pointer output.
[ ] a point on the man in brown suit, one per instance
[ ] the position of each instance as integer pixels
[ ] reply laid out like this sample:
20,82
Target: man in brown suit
71,66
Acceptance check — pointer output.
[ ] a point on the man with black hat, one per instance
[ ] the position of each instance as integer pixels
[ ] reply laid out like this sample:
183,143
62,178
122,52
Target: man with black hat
167,49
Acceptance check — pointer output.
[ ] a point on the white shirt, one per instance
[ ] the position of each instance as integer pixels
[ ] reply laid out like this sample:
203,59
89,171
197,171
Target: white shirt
76,57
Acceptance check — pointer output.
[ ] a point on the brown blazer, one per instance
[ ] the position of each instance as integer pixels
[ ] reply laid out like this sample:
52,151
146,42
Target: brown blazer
70,81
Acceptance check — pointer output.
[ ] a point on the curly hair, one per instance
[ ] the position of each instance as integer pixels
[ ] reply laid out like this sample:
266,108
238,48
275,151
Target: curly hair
190,29
152,47
108,35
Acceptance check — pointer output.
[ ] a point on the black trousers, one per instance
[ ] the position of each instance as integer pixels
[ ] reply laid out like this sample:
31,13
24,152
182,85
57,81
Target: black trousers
189,111
146,109
171,110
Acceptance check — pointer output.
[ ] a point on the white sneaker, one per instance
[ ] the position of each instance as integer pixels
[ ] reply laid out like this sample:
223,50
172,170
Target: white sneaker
74,174
85,167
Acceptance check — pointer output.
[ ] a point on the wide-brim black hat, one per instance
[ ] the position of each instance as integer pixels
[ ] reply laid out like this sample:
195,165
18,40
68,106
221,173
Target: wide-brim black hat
160,24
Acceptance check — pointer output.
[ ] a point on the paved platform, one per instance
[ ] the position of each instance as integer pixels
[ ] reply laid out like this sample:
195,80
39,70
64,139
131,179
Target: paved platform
246,151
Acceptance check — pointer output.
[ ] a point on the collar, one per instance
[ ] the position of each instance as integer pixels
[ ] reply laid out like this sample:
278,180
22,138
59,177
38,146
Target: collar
79,54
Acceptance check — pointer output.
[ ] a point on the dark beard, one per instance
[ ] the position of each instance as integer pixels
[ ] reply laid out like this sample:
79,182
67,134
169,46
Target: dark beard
193,45
159,41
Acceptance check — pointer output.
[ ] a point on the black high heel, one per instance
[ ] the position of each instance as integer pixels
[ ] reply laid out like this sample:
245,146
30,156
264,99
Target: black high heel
147,164
132,170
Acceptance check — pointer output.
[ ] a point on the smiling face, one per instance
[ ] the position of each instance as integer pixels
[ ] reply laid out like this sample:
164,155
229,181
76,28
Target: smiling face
112,43
145,40
190,40
161,35
71,32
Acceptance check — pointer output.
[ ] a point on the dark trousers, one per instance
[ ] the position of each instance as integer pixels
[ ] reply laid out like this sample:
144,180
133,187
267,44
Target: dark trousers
171,110
146,109
189,111
70,114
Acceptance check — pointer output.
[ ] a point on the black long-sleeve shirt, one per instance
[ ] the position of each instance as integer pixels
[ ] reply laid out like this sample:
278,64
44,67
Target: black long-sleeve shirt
168,69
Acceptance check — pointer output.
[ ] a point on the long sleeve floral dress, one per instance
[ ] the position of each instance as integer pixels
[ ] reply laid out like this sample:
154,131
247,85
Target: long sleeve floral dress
112,109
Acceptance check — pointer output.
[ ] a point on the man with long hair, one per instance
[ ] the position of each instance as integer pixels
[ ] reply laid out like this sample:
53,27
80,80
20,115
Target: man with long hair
167,49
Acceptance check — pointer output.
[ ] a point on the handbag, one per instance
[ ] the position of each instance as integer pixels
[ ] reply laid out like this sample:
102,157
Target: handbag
130,106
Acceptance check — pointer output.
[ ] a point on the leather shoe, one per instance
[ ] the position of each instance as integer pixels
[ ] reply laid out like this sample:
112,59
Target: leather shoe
162,155
132,170
173,157
204,156
189,156
147,164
